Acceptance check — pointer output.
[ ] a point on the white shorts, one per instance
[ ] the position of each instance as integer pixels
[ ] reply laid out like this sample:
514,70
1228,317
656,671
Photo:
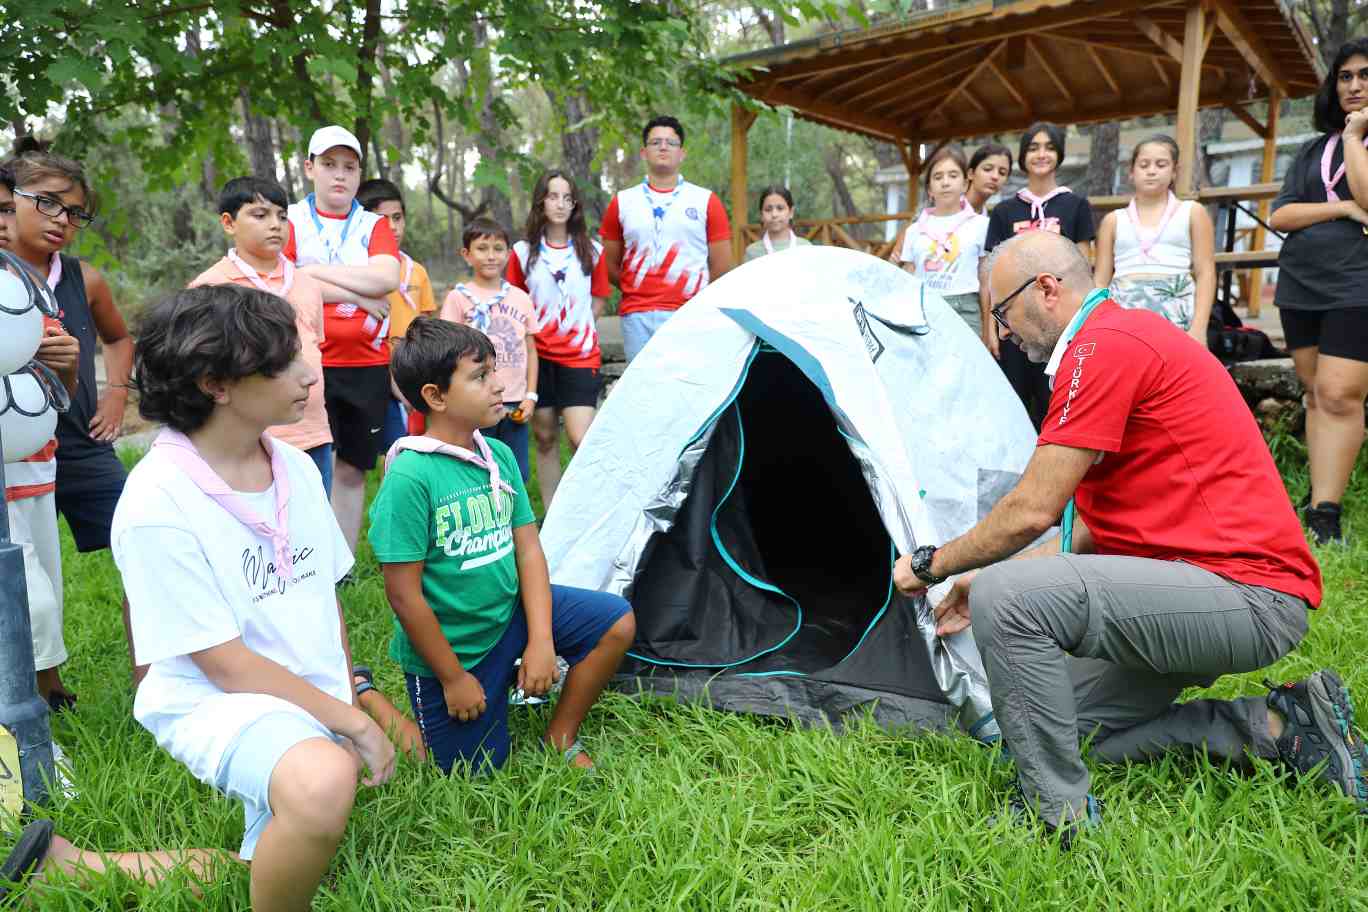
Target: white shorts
33,526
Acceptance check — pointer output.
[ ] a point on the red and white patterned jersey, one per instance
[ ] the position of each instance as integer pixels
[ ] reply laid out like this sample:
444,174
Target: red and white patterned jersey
665,236
562,298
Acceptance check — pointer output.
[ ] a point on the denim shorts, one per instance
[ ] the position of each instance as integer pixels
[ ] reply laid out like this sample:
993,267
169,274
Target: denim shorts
579,619
249,762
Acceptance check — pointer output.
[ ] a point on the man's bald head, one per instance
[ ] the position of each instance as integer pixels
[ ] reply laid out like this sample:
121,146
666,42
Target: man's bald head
1035,252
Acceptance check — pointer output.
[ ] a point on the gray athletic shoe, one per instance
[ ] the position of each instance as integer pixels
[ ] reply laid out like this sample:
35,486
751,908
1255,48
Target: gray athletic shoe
1319,729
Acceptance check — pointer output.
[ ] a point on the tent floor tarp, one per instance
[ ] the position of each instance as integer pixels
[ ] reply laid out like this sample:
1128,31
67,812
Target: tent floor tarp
772,592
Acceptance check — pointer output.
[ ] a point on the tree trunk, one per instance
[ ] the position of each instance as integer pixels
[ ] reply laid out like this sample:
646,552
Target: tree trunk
835,169
365,77
1103,152
577,149
291,189
1210,126
256,130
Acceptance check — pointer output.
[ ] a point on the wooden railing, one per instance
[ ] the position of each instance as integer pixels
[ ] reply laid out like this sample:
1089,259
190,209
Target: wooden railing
1240,251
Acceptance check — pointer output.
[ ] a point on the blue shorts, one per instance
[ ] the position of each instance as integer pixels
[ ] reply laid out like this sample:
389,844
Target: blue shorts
249,762
579,619
639,327
322,455
396,425
515,436
88,489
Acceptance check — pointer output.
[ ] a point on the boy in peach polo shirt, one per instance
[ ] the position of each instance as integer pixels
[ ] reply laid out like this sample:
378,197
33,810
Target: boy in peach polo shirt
252,212
505,314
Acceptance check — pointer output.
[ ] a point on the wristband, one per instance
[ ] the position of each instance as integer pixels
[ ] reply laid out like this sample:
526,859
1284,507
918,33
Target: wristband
531,397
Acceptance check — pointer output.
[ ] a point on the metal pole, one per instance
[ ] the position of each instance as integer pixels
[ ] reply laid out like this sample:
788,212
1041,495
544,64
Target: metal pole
23,715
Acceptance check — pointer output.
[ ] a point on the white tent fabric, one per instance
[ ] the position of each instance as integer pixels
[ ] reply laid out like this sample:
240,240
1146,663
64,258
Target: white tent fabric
933,423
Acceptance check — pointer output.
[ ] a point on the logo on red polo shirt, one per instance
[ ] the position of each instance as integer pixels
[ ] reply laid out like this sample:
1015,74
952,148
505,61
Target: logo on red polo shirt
1081,353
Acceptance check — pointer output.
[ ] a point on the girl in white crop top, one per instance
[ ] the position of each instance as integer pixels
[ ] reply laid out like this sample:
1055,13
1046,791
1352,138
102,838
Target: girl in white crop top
1157,253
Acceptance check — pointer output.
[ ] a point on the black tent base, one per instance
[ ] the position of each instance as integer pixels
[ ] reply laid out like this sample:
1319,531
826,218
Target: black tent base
772,590
809,701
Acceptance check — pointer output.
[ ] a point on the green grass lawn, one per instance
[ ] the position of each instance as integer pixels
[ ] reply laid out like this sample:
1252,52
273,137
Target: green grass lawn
701,810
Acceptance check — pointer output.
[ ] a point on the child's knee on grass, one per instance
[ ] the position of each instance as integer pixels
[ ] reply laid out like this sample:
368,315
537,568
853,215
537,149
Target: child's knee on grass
313,788
622,634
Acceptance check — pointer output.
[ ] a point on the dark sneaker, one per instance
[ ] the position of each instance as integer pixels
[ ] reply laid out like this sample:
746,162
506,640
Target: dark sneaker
1318,716
1324,522
1022,814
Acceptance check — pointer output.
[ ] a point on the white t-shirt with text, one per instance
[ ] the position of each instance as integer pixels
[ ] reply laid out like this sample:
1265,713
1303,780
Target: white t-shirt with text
197,578
952,268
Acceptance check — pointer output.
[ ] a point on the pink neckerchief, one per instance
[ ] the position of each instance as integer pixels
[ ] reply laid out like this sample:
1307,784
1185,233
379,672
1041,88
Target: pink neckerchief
181,451
483,459
286,268
55,268
769,245
404,280
1326,157
1147,243
942,238
1038,202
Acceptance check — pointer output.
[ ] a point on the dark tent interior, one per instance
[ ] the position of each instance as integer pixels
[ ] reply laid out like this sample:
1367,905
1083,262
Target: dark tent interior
778,561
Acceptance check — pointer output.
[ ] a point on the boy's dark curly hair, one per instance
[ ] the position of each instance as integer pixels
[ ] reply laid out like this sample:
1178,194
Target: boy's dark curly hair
221,332
431,350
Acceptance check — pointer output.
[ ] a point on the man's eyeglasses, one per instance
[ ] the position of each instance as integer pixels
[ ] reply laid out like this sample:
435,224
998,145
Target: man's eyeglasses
56,208
1000,312
661,143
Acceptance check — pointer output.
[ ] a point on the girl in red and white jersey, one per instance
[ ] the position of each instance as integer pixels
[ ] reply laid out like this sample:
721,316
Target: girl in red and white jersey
564,273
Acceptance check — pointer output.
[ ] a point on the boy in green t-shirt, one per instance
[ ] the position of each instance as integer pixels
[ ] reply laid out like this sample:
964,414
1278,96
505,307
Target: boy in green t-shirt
464,569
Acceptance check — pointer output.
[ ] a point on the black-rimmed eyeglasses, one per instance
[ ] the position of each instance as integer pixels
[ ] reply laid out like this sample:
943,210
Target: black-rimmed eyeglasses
999,313
53,208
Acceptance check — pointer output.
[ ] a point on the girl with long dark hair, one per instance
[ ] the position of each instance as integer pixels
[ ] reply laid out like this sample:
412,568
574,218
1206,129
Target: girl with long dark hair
776,215
989,168
1322,293
562,269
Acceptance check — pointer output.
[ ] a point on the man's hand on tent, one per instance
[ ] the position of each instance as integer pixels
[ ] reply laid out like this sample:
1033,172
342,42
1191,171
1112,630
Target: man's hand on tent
952,614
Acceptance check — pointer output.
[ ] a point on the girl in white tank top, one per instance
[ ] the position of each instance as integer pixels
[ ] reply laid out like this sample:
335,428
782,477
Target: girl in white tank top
1157,253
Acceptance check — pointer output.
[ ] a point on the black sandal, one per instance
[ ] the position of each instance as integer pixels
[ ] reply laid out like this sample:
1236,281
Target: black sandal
367,679
28,853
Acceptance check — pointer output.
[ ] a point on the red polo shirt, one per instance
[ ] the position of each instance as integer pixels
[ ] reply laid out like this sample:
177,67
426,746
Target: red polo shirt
1185,474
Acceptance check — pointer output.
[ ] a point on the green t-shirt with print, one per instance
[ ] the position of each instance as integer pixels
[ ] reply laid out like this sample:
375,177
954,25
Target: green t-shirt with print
442,511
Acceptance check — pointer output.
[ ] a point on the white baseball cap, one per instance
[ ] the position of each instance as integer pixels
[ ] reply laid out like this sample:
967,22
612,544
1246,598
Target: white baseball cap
328,137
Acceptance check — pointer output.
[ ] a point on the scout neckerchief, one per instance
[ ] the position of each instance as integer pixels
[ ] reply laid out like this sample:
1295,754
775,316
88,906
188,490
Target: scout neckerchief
1326,177
769,245
1037,203
1147,241
54,271
564,255
479,316
658,212
286,267
483,459
181,451
1075,326
334,254
940,240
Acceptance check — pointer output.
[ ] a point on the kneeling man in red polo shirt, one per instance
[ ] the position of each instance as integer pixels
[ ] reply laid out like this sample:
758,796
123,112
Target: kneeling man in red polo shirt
1186,560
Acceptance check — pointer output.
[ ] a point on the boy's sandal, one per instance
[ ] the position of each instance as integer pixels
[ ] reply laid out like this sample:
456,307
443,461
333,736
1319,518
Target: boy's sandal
367,678
28,853
573,751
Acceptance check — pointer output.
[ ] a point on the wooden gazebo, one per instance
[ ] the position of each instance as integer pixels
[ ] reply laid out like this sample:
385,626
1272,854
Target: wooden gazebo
996,66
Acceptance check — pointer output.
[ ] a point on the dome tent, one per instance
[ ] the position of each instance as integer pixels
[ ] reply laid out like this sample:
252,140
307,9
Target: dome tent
750,480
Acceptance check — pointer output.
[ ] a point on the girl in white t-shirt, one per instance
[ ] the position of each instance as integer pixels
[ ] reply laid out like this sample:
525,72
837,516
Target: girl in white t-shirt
1157,253
944,244
229,554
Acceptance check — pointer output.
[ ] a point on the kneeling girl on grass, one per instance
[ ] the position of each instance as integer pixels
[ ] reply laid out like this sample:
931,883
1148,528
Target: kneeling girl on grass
229,553
464,568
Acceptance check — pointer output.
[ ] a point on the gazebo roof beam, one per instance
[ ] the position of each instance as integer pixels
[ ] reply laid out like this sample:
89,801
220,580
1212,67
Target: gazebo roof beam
889,102
1153,53
1021,18
973,74
1249,119
1166,42
952,65
1102,68
838,115
1241,33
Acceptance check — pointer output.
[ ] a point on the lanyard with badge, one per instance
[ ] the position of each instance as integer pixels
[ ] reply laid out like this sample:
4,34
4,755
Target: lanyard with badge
1075,326
334,254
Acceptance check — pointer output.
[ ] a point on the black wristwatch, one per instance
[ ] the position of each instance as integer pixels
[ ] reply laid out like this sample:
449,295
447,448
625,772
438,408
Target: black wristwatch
921,565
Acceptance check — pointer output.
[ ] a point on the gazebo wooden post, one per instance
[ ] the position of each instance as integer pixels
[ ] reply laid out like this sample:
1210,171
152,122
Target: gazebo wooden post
911,156
1270,158
1189,91
741,121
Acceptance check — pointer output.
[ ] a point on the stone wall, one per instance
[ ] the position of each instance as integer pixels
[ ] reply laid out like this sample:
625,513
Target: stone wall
1272,390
